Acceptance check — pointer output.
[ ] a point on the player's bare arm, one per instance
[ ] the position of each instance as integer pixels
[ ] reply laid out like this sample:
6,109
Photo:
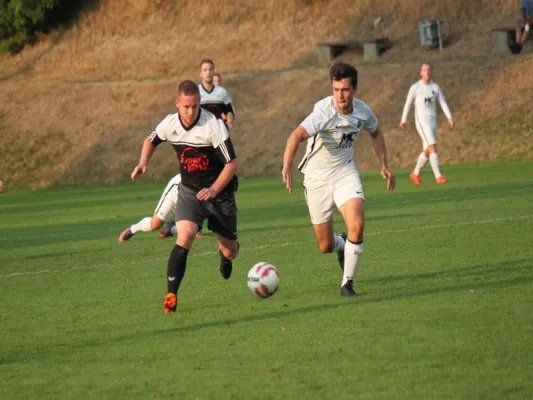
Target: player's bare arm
147,151
378,141
226,175
295,139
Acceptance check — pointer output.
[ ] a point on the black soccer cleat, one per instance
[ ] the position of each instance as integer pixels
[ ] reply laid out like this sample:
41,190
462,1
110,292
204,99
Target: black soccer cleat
126,234
226,266
340,254
347,290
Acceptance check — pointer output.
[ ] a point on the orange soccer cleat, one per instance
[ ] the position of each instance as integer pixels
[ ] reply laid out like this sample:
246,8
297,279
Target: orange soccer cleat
415,178
170,303
441,179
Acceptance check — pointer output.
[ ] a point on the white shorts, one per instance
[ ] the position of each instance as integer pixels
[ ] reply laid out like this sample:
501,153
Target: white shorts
427,131
321,196
166,208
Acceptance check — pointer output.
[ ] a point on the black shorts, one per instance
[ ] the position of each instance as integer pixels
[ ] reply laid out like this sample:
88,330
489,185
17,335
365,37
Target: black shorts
220,212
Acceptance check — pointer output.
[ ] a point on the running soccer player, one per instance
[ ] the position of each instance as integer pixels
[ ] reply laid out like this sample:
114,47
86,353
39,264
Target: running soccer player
164,212
331,177
425,94
208,164
213,98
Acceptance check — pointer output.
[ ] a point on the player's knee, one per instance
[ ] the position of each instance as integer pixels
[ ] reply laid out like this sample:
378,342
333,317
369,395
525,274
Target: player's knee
230,254
355,232
156,223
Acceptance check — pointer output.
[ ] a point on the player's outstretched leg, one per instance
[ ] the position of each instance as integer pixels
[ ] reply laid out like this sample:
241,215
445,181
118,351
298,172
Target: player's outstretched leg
415,175
144,225
435,164
353,214
352,261
177,263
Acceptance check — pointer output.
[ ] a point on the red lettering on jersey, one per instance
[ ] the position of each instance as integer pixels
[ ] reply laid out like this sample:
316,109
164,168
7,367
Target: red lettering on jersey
192,160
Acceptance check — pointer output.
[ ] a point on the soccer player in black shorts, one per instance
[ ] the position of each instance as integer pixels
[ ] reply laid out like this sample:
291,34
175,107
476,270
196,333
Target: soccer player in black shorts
208,165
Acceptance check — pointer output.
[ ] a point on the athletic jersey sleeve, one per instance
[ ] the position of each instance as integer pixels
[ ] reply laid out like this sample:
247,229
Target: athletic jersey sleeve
161,132
221,141
316,121
408,103
443,104
371,122
228,104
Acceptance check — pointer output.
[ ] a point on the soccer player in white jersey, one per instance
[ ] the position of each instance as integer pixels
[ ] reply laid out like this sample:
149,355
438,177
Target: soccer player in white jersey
215,98
164,212
425,94
331,178
207,164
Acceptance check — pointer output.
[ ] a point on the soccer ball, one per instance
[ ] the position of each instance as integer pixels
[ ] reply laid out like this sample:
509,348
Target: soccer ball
263,279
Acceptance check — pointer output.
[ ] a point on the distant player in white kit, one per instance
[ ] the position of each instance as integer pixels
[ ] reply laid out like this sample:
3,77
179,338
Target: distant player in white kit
425,94
331,178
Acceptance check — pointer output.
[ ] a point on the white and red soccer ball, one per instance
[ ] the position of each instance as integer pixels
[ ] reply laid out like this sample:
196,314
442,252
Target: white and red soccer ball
263,279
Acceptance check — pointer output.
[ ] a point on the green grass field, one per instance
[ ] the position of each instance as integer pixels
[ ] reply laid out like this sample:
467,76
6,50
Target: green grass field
446,306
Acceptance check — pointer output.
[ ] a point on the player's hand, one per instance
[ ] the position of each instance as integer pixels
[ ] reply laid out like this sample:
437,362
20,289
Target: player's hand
229,120
139,169
391,179
451,122
402,125
286,173
206,194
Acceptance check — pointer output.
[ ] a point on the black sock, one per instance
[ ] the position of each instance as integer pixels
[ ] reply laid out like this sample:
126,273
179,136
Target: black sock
177,263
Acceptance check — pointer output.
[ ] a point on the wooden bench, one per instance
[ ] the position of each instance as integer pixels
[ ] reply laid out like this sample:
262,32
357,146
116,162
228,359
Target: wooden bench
372,49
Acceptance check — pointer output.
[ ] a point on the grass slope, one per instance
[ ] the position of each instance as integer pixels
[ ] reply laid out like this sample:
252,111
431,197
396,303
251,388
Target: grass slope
446,285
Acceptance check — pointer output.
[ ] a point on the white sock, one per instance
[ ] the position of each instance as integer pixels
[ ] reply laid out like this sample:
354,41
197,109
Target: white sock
352,260
434,161
144,225
422,160
339,243
174,230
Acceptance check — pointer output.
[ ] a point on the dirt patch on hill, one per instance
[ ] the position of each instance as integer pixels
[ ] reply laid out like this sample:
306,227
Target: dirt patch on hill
76,110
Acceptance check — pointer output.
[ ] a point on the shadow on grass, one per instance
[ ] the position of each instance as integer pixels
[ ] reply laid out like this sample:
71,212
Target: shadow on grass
523,266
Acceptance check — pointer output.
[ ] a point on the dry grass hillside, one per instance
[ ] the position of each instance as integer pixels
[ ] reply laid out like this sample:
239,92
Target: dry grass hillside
75,108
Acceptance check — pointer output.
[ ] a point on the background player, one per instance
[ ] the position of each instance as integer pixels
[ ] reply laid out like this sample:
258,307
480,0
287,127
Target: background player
208,164
217,79
523,25
331,177
424,94
214,99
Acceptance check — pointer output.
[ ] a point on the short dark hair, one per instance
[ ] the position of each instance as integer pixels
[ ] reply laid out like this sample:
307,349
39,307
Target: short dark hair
340,70
207,61
188,88
217,74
